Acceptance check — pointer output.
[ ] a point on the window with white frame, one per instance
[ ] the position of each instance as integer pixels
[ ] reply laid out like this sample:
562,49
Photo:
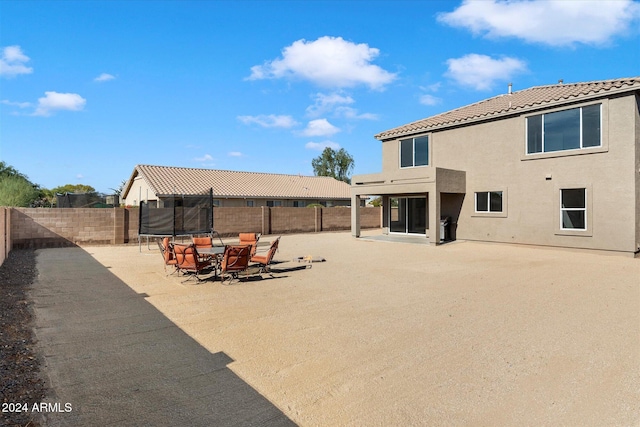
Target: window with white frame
489,201
573,209
274,203
573,129
250,203
414,152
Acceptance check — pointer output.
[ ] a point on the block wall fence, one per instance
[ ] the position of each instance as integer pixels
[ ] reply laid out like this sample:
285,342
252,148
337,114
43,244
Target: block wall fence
45,228
5,229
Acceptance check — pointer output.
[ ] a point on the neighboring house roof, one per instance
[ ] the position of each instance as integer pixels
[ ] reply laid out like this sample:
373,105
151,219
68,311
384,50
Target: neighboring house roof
516,103
165,180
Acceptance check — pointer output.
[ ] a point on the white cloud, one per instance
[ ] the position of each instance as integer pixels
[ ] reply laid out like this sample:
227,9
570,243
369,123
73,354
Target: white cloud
104,77
205,158
552,22
352,113
235,154
320,127
427,99
16,104
321,145
326,103
481,71
336,103
53,101
269,121
327,61
12,62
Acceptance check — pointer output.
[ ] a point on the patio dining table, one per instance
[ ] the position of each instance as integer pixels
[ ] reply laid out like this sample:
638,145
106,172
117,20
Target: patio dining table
216,253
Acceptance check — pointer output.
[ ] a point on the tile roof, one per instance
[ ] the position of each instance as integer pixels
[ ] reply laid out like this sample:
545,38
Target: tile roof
516,103
176,180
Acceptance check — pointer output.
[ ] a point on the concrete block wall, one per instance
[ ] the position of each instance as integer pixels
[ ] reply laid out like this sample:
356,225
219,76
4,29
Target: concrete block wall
5,231
44,228
337,219
369,218
293,220
231,221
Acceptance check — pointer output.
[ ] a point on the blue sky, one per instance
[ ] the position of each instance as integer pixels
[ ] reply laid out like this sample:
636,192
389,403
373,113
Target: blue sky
89,89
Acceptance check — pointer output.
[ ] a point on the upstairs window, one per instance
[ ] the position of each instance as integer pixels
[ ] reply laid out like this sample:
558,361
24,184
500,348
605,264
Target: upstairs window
414,152
572,129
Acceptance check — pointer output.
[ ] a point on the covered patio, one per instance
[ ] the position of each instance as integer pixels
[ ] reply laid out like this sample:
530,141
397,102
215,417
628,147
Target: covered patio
414,201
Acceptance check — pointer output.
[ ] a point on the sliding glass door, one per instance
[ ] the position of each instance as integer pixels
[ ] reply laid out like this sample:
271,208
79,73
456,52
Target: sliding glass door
408,215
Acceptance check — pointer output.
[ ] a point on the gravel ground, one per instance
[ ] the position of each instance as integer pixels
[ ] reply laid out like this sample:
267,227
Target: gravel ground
20,377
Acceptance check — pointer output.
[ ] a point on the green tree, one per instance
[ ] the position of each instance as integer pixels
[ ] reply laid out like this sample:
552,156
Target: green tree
7,170
17,191
337,164
73,188
118,191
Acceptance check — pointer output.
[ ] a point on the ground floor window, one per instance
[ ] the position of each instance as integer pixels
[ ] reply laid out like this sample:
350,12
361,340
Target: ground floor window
408,215
274,203
573,209
489,201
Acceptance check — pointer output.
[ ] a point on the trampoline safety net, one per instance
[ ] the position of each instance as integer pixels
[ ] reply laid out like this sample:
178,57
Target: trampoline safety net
177,215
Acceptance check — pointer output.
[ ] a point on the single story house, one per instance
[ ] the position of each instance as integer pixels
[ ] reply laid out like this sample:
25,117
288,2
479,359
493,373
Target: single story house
555,165
233,188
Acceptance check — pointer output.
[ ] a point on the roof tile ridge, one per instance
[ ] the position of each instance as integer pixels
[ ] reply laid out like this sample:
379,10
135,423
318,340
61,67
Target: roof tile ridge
231,171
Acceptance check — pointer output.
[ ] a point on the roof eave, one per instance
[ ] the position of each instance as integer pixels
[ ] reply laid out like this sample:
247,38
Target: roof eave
385,136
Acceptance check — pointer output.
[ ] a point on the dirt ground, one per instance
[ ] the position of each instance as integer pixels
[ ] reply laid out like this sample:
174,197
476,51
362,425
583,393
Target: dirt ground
21,381
464,334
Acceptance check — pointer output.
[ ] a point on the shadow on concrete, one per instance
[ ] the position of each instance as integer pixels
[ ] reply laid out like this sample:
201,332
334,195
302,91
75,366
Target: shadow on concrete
114,359
39,236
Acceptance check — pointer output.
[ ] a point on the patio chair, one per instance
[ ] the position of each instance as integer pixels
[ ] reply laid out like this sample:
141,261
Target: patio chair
250,239
235,261
203,242
264,259
166,249
189,261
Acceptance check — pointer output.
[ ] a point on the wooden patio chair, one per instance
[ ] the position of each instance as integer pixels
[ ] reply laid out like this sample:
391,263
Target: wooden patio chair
235,261
250,239
264,259
188,261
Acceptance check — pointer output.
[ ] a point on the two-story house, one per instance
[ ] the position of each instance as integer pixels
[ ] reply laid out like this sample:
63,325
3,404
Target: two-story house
555,165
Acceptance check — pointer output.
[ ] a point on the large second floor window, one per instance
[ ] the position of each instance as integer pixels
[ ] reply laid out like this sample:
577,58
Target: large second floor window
414,152
572,129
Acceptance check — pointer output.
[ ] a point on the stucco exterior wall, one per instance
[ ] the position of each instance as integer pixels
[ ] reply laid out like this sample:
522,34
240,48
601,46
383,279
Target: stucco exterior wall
492,154
139,191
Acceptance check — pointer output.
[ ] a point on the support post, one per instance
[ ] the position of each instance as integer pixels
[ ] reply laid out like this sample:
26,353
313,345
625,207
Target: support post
434,217
355,215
